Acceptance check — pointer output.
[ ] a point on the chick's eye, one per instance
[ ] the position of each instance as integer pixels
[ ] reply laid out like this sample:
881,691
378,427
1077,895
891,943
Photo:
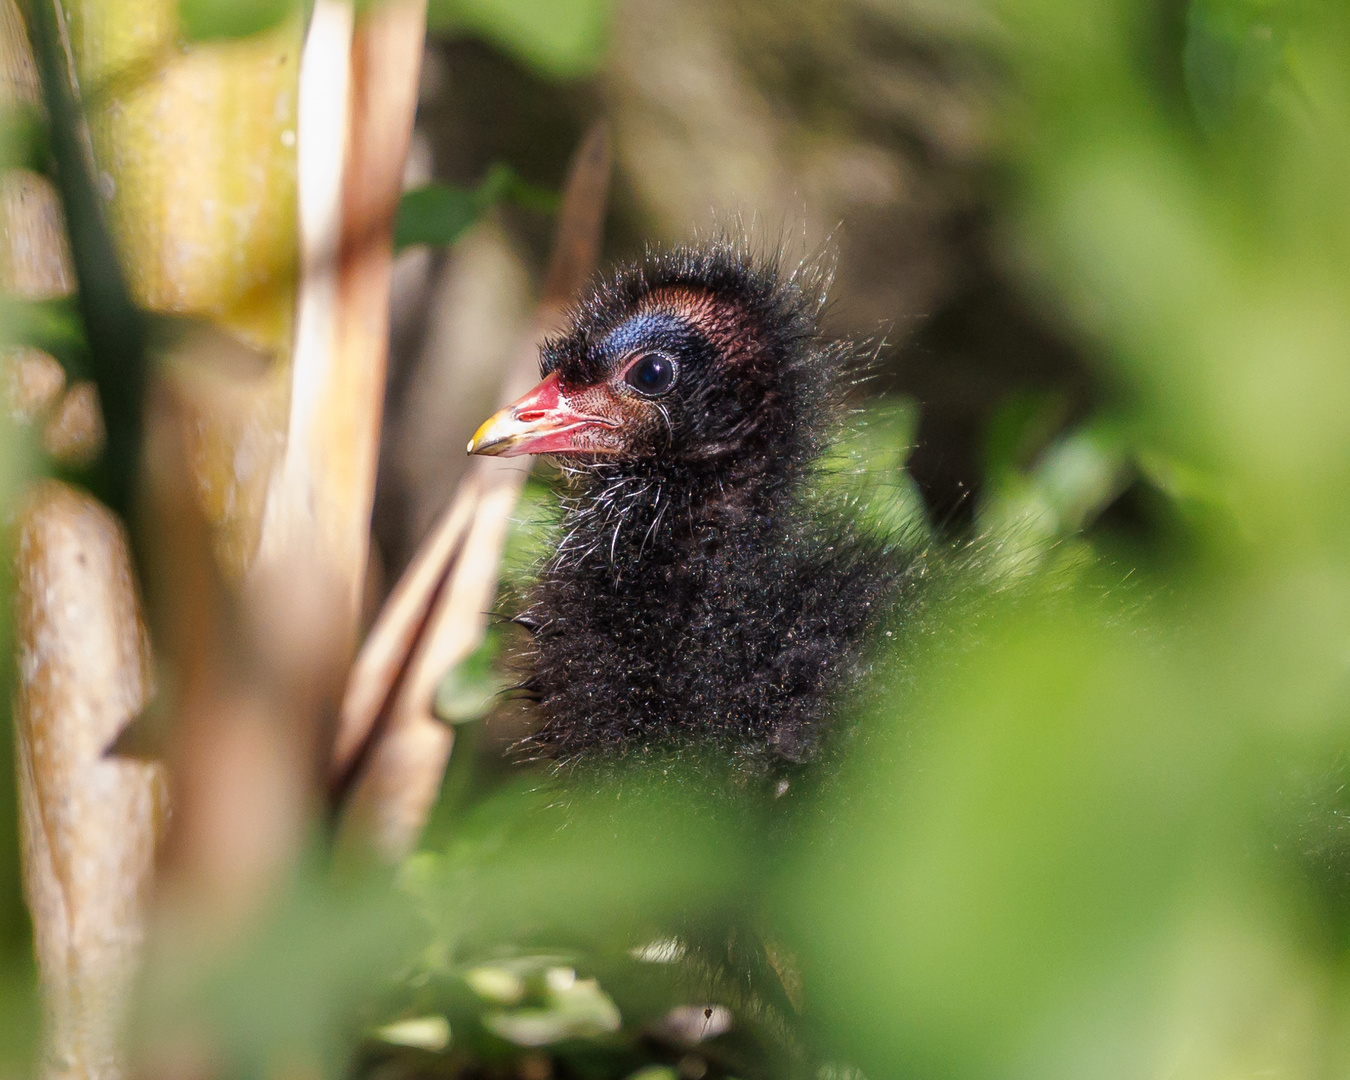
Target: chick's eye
651,374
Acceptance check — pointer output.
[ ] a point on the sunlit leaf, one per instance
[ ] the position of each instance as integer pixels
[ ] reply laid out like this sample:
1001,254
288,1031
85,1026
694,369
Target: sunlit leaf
422,1032
570,1008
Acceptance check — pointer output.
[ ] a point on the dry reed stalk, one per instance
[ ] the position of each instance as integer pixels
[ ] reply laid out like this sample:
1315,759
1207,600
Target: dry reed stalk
249,669
34,257
192,153
263,680
89,823
320,504
437,614
193,150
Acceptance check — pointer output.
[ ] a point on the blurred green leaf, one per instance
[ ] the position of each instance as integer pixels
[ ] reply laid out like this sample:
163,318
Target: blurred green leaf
23,139
1195,494
211,20
561,38
865,468
19,1002
1020,429
436,214
549,884
655,1072
1071,867
54,326
300,985
529,539
114,325
1028,515
1234,52
441,213
19,1005
469,690
599,856
1013,847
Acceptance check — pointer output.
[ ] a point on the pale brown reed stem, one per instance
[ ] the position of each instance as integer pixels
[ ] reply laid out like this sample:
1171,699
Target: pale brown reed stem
437,613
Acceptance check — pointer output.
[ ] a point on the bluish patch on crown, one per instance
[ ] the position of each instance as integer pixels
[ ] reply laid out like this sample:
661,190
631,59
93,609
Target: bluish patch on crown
648,330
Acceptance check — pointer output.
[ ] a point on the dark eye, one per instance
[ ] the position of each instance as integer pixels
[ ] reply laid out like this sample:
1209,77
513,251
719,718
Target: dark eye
651,374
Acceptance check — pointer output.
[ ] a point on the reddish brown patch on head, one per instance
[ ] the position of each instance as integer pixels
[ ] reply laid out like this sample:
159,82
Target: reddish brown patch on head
726,326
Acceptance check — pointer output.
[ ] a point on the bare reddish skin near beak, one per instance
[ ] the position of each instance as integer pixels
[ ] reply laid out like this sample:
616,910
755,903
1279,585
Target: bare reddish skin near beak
540,422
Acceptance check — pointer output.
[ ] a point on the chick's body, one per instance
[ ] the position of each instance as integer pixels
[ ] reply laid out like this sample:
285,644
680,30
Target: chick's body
696,598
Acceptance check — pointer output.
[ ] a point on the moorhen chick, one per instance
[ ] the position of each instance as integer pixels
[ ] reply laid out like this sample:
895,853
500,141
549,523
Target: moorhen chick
698,597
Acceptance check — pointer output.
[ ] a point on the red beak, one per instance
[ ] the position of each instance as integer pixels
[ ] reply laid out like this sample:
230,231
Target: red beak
540,422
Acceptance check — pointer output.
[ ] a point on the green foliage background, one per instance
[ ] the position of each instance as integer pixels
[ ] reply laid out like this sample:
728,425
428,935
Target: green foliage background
1093,822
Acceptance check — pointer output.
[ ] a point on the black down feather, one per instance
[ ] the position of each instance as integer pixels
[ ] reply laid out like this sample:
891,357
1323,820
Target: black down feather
698,598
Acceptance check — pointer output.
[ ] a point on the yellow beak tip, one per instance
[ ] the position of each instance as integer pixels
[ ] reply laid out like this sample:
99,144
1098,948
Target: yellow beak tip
488,436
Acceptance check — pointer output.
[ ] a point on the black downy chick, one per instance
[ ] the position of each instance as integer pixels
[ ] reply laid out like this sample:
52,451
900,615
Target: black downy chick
695,600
